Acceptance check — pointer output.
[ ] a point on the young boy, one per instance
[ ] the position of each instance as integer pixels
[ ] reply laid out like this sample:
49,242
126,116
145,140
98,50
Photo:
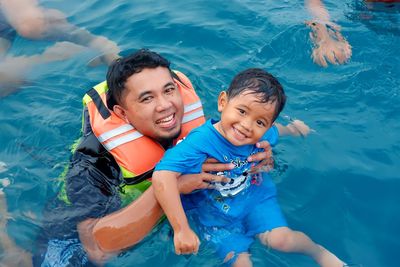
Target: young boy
232,214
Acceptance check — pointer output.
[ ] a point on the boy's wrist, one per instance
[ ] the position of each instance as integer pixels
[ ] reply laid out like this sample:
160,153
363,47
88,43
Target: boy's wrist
181,228
180,224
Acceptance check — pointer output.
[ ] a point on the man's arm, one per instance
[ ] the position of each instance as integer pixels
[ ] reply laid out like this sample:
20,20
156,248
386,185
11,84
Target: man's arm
125,228
122,229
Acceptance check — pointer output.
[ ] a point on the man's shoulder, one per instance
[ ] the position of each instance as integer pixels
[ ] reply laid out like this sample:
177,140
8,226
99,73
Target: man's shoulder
90,145
202,133
93,157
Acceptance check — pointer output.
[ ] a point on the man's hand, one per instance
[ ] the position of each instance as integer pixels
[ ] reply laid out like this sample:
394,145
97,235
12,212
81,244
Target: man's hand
204,180
266,162
186,241
329,44
212,165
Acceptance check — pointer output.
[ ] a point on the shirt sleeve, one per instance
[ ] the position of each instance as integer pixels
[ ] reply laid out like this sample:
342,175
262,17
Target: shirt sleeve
272,136
186,157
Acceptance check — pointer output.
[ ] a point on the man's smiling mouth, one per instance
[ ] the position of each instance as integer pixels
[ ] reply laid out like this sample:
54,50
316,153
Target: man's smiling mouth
167,121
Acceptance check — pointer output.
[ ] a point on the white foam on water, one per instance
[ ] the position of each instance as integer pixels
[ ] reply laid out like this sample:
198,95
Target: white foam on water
3,167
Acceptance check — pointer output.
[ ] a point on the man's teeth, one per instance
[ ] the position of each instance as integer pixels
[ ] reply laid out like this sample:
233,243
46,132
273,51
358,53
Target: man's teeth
167,119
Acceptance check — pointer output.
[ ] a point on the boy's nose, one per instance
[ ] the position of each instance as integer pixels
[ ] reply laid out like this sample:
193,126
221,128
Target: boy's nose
246,124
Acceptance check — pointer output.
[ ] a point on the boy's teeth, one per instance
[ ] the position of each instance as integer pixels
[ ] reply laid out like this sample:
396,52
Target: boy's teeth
239,133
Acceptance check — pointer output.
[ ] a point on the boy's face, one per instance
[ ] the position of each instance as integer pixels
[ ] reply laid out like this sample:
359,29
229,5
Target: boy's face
244,120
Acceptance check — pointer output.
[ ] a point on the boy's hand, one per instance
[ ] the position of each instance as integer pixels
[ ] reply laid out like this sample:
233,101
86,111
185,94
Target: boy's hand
266,162
186,241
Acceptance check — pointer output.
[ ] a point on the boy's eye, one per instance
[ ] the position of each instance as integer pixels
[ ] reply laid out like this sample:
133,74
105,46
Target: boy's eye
260,123
241,111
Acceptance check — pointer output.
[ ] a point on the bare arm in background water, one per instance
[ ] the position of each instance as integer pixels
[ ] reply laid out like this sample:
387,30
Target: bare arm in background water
329,44
31,21
10,253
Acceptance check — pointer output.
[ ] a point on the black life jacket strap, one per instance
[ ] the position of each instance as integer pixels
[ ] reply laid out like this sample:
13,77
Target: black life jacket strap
139,178
176,77
103,110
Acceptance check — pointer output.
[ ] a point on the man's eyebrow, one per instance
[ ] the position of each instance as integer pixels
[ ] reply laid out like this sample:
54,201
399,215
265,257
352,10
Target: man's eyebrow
144,93
168,84
149,91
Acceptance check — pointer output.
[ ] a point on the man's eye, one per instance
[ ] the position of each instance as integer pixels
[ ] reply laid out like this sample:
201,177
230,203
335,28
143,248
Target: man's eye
146,99
170,90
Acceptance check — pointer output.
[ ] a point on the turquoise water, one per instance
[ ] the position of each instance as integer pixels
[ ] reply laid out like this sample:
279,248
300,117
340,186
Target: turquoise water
339,185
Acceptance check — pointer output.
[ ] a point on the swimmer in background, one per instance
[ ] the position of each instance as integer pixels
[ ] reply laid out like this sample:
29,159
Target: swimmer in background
31,21
10,253
329,44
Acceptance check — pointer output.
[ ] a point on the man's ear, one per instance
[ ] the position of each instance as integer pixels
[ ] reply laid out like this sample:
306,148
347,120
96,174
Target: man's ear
222,100
120,112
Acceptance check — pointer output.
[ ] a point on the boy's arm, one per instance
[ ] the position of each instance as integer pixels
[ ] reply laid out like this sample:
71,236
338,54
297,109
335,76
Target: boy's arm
167,193
294,128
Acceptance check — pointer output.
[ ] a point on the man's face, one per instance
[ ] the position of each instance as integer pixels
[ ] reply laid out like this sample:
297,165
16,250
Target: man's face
244,120
152,103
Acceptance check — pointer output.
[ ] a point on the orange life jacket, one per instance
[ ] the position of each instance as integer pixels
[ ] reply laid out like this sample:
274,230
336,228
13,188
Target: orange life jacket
135,153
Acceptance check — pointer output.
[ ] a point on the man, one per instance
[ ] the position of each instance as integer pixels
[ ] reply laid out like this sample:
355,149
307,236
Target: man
146,109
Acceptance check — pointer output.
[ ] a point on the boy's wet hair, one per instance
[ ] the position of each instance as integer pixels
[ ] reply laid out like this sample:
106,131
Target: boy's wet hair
261,83
122,68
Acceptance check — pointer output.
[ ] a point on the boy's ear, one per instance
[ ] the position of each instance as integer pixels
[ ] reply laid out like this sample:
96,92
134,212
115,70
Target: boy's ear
222,100
120,112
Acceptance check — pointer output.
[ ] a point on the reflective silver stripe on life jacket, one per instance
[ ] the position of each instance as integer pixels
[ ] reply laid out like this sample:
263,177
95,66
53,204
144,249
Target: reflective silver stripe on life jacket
114,132
122,140
135,135
192,116
192,106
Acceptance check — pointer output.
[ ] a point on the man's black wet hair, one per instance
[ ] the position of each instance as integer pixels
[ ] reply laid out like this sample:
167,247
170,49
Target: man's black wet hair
122,68
261,83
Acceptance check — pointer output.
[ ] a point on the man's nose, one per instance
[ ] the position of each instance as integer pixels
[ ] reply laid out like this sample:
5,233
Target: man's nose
163,104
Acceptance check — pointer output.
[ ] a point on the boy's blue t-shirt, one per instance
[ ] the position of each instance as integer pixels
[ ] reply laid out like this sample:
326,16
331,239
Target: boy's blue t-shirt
228,201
